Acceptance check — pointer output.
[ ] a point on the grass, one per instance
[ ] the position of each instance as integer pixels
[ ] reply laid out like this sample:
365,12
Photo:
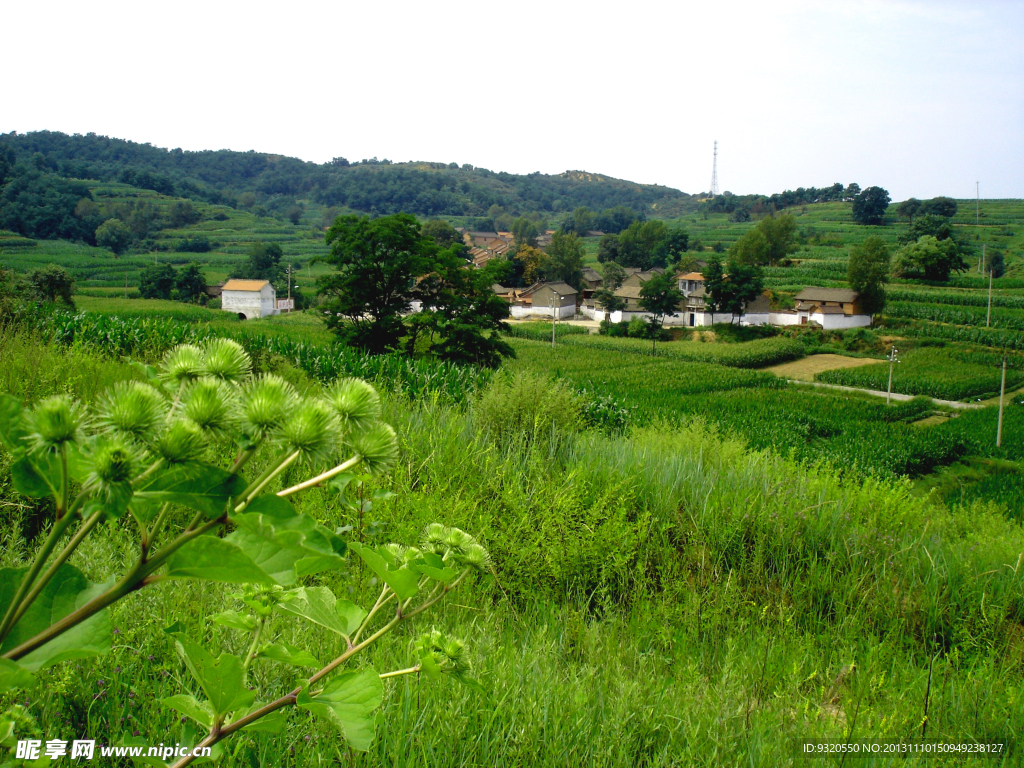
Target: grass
661,599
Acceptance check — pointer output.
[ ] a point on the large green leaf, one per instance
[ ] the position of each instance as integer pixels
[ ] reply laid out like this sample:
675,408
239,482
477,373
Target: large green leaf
222,678
201,487
66,592
403,580
288,547
35,476
114,505
11,429
14,677
433,566
288,654
319,605
200,711
348,702
272,723
214,559
236,620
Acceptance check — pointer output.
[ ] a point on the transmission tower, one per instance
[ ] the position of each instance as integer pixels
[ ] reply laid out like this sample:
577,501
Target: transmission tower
714,173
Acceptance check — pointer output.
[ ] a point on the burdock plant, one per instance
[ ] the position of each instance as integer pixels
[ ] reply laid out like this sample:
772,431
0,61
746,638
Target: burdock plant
143,451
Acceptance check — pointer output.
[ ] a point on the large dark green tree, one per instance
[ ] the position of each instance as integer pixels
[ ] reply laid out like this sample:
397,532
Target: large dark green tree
929,258
768,243
565,259
868,271
442,233
642,245
53,283
115,235
264,262
157,281
869,206
377,262
189,283
661,297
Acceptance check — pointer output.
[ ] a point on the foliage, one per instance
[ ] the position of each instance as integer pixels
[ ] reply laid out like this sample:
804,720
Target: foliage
768,243
53,284
660,297
930,259
868,271
869,206
140,454
197,244
939,206
377,262
190,284
442,233
43,205
531,261
643,245
157,282
264,262
564,260
526,406
114,235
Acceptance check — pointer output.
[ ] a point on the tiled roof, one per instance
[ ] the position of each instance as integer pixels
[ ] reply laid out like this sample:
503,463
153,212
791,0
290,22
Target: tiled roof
690,276
244,285
842,295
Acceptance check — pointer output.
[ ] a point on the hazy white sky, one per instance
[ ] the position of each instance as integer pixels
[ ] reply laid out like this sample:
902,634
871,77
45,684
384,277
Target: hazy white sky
922,98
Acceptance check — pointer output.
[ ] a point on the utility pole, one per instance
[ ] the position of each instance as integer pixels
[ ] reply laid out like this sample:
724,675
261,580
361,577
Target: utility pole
977,203
553,295
289,287
892,360
988,316
1002,391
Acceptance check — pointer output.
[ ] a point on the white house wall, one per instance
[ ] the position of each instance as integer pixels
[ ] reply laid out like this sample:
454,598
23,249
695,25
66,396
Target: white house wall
838,322
520,312
252,304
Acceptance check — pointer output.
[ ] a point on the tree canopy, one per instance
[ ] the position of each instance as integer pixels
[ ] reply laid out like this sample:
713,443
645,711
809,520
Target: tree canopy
869,206
767,243
868,271
564,260
929,258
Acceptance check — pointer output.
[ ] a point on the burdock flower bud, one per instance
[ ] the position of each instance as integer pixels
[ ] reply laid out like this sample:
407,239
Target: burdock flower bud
378,447
225,359
266,404
458,541
131,408
403,555
110,461
182,441
312,430
433,539
183,363
475,557
54,422
356,403
210,404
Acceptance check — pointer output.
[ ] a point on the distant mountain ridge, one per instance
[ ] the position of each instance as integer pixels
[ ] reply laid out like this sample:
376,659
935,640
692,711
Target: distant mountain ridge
370,186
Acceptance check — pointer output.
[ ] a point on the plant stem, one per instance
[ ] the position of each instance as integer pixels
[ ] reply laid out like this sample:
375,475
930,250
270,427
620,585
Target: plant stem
56,532
260,484
77,539
322,477
397,672
251,653
381,602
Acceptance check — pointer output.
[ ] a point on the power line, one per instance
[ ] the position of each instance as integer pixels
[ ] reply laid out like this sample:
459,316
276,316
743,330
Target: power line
714,173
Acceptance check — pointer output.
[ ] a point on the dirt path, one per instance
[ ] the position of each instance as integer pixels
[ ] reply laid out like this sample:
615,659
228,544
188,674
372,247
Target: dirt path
895,395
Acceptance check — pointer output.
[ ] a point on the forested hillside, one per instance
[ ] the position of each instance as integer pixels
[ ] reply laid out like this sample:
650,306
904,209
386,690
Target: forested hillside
278,183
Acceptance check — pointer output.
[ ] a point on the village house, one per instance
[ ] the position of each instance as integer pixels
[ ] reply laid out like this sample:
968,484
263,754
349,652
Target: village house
249,299
555,299
831,308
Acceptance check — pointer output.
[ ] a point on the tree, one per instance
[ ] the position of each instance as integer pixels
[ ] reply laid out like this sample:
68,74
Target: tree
741,284
938,227
940,206
114,235
53,284
525,232
614,220
929,258
851,192
264,262
642,245
997,264
868,271
377,262
908,209
676,244
612,277
714,282
565,259
190,284
580,221
766,244
532,262
182,213
608,248
740,215
869,206
442,233
461,308
294,214
660,296
157,281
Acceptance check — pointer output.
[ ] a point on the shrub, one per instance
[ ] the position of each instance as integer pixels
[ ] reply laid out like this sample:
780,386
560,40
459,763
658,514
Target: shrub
213,304
525,405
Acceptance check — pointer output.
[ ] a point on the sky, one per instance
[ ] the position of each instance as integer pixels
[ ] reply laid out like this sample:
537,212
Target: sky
921,98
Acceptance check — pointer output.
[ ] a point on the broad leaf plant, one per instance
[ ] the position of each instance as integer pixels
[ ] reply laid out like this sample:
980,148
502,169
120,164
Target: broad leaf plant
143,452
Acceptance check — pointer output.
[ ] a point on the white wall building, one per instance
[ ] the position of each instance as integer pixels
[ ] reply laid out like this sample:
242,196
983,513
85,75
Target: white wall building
249,299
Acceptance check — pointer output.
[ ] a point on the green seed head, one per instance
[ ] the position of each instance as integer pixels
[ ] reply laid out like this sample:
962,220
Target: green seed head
131,408
54,422
183,363
312,430
458,541
182,441
225,359
266,404
378,447
433,539
210,404
474,556
111,460
356,403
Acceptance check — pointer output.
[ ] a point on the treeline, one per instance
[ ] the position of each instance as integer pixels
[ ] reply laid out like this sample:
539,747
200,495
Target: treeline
371,186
